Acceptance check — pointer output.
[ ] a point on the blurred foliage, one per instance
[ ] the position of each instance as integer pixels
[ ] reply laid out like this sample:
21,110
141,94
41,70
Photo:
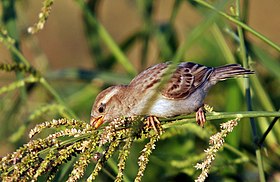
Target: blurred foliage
32,91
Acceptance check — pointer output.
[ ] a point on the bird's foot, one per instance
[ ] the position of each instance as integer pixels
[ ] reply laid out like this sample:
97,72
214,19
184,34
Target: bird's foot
200,117
153,121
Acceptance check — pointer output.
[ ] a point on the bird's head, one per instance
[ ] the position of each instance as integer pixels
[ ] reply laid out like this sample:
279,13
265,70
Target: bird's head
107,106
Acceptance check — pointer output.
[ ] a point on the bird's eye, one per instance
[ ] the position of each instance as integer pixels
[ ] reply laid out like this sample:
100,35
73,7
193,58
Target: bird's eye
101,108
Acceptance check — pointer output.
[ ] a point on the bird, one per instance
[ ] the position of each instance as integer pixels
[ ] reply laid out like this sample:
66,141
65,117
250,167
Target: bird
161,91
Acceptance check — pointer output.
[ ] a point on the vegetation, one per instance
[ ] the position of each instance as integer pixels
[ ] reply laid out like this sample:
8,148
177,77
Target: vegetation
62,146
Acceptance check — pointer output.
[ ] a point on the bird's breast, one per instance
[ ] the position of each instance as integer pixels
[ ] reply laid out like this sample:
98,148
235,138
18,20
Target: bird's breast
160,106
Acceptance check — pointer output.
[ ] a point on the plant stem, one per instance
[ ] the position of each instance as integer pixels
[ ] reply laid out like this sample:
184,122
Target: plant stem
261,141
260,94
260,165
108,40
71,114
9,18
239,23
197,32
244,57
178,121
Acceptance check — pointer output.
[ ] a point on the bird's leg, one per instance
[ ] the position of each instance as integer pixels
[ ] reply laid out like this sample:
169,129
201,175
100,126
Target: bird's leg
200,116
154,122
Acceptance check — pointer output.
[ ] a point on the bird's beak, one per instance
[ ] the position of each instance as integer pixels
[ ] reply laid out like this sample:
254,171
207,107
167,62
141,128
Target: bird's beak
96,121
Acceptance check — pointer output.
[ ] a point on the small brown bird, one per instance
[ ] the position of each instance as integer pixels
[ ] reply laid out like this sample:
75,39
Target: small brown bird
183,92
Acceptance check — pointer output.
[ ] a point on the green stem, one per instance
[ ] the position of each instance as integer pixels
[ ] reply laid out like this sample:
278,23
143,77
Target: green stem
17,53
237,152
244,57
260,165
71,114
43,81
108,40
9,18
170,122
114,167
198,31
239,23
260,94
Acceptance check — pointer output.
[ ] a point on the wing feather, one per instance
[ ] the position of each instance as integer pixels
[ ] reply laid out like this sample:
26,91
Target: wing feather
186,79
149,77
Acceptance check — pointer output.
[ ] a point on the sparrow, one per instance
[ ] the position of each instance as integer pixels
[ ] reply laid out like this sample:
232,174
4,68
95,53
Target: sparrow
162,90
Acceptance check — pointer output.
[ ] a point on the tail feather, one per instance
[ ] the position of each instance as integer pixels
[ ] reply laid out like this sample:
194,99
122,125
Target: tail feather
229,71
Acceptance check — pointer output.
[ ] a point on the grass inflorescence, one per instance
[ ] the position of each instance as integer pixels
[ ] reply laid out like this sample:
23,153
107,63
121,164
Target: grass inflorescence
77,139
216,142
20,67
43,17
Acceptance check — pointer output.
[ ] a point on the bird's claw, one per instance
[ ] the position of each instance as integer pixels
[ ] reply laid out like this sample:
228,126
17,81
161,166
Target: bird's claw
153,121
200,117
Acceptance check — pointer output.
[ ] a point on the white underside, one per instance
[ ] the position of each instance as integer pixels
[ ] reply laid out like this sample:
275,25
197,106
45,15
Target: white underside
163,107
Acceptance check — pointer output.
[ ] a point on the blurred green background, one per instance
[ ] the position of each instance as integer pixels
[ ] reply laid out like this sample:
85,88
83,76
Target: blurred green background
78,60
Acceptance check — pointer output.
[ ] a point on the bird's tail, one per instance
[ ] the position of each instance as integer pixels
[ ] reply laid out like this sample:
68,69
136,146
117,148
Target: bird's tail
229,71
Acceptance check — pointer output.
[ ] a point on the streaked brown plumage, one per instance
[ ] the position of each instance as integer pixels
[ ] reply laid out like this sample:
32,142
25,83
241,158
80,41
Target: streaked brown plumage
183,93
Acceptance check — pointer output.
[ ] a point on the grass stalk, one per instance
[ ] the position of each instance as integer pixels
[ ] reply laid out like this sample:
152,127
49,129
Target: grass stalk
259,91
108,40
58,98
261,141
239,23
9,19
244,57
178,121
197,32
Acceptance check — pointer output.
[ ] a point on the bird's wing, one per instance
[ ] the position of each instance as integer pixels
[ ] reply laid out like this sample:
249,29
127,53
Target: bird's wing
185,80
149,78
